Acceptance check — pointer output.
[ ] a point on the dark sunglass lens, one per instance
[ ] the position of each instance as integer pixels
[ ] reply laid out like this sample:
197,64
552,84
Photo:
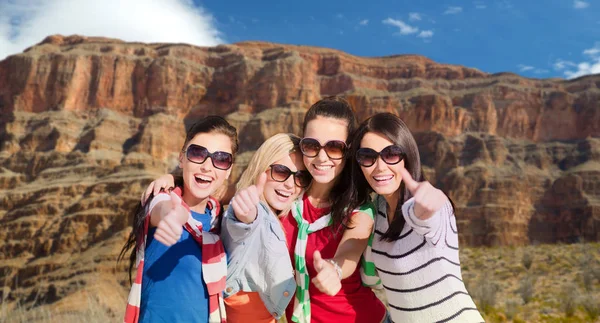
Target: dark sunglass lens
280,173
222,160
366,157
302,178
392,155
335,149
310,147
196,154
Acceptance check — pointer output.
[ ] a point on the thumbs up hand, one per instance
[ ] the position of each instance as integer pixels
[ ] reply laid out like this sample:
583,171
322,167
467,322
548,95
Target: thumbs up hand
170,227
428,199
327,279
245,201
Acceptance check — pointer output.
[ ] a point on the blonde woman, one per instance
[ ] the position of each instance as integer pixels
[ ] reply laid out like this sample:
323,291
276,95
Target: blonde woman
260,279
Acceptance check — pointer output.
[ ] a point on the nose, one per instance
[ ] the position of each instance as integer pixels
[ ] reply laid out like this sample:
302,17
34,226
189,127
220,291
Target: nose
206,165
322,156
289,182
380,164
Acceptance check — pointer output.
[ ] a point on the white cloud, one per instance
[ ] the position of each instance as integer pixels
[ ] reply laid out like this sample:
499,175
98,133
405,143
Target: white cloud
405,29
425,34
578,4
560,64
479,4
453,10
584,68
174,21
364,22
592,66
525,68
339,16
593,52
414,16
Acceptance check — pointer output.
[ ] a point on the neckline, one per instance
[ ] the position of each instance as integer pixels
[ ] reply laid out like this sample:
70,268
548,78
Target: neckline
323,210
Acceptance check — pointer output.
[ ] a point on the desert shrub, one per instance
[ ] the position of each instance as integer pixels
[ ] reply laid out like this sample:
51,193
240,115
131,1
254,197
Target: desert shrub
527,259
484,291
569,299
527,288
591,305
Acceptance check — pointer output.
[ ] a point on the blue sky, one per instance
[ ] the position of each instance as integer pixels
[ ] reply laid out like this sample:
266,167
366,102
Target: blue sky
527,37
539,39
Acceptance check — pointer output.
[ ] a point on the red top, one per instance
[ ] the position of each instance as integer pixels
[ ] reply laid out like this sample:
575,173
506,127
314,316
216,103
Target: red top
354,302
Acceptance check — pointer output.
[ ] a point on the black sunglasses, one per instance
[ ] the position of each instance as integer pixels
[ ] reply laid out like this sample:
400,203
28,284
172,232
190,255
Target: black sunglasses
391,155
280,173
198,155
335,149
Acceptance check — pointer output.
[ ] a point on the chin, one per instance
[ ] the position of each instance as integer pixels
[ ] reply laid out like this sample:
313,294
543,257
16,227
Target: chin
384,190
324,179
199,193
275,205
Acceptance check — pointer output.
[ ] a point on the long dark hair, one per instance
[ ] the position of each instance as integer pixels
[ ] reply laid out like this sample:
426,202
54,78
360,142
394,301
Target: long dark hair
336,108
210,124
359,190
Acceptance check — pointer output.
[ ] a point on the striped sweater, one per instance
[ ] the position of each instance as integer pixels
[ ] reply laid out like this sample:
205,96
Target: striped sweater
420,271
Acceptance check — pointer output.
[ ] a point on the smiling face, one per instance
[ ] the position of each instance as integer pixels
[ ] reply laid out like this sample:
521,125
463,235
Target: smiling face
384,179
280,195
322,168
202,180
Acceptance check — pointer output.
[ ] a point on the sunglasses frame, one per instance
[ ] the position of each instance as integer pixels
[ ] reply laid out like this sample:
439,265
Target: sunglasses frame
208,155
344,149
290,173
402,155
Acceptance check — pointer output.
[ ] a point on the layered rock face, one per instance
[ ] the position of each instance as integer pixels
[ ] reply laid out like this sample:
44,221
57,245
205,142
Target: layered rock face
86,123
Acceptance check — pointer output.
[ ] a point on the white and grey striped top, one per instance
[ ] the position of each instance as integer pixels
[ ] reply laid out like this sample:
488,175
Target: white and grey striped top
421,271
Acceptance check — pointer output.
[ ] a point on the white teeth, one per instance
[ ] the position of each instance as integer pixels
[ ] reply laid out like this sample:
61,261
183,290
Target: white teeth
284,194
323,167
203,178
383,178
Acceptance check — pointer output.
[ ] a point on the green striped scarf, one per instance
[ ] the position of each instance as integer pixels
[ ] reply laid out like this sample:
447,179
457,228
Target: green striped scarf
301,312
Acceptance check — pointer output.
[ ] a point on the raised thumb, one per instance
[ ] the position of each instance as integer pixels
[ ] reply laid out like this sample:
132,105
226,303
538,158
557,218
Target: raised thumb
175,200
318,261
409,182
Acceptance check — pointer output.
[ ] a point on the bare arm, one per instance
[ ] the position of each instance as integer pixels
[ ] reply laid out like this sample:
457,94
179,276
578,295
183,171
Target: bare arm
354,242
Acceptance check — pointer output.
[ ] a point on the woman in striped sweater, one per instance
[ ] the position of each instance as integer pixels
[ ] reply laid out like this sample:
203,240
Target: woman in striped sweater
415,243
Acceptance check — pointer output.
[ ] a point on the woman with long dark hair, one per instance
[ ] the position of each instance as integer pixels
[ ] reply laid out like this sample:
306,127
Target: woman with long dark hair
181,265
325,236
415,242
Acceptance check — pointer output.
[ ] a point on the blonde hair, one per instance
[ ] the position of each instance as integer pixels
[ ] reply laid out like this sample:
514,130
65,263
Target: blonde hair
273,149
